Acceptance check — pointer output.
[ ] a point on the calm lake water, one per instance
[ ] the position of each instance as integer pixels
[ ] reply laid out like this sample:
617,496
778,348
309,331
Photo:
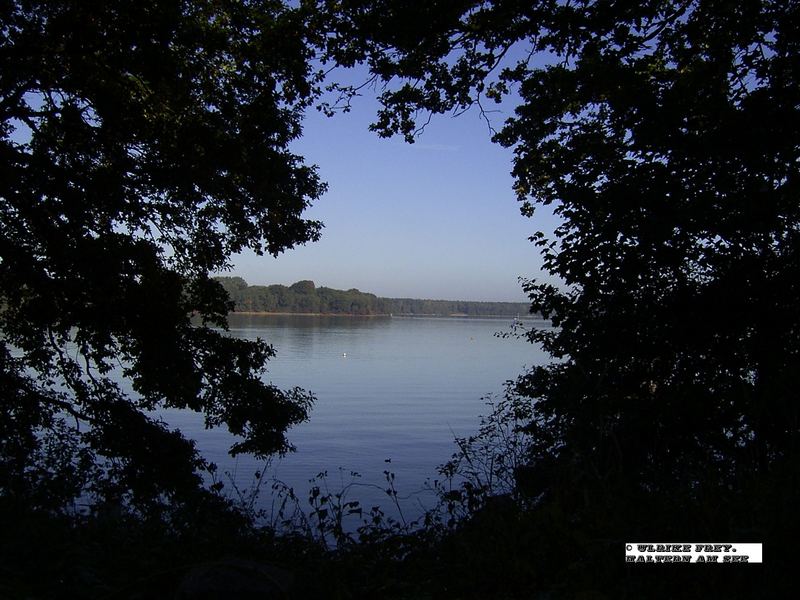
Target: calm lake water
395,389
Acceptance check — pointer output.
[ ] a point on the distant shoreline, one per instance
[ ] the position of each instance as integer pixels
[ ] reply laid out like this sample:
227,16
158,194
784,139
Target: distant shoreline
300,314
305,298
438,316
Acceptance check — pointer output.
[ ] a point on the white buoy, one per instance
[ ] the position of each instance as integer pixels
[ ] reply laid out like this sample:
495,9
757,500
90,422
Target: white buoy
344,354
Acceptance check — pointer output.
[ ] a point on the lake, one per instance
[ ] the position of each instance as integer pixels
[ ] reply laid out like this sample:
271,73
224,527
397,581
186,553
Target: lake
387,388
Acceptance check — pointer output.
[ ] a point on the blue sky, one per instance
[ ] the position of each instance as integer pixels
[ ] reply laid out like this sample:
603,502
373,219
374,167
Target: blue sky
434,219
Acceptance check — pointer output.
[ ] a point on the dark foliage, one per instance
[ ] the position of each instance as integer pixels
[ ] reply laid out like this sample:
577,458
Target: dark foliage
141,144
667,137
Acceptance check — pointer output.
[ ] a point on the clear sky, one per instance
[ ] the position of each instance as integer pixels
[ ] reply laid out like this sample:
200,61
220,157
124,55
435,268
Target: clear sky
435,219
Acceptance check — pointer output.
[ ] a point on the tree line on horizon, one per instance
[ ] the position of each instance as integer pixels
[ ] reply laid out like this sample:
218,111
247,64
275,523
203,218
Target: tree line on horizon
306,297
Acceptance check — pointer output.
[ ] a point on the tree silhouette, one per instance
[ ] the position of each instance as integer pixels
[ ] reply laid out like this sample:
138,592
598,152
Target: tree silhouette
665,135
145,142
142,144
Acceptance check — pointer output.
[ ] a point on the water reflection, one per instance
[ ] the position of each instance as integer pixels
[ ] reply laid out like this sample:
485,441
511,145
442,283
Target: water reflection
394,389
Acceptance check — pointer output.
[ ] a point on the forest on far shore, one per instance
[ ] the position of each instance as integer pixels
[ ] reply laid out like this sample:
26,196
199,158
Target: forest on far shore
306,297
